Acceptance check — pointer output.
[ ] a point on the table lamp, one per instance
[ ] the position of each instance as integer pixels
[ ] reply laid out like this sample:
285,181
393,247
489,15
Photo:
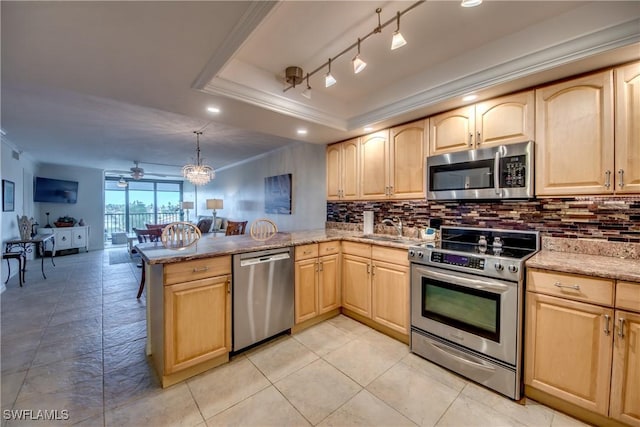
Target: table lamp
214,204
186,206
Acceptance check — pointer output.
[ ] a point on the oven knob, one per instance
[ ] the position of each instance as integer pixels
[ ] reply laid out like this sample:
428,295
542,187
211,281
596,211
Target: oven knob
513,268
498,266
420,254
412,253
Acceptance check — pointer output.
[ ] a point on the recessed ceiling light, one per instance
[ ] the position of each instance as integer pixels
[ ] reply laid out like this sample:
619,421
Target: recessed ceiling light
470,3
368,129
469,98
302,131
213,109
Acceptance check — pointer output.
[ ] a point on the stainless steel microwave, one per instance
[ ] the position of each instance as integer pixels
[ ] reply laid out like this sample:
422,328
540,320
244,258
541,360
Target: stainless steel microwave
500,172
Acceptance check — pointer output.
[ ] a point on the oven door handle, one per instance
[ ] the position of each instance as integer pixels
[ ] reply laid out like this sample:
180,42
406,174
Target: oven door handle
485,283
476,364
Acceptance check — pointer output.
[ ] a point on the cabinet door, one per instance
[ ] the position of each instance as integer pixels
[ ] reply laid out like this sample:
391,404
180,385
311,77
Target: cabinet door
390,295
329,283
334,171
63,239
350,169
306,289
568,350
627,150
79,237
356,284
374,165
407,152
452,131
197,322
625,383
506,119
574,137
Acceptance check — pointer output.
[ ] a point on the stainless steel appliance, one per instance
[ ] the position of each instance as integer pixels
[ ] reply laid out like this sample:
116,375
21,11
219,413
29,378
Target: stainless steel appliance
262,295
500,172
467,303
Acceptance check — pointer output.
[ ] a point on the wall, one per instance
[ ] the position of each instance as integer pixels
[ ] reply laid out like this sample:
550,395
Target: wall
606,218
90,203
242,188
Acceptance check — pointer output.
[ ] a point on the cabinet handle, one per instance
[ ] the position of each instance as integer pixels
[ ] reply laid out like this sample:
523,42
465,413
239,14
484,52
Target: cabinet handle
391,190
320,264
200,270
621,176
373,270
478,139
228,287
559,285
368,268
621,328
607,178
64,238
470,139
606,324
306,252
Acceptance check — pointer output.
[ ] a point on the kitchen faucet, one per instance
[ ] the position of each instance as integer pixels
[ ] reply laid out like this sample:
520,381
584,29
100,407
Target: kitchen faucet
392,222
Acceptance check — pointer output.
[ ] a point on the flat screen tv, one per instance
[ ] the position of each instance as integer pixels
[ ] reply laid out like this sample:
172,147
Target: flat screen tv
55,190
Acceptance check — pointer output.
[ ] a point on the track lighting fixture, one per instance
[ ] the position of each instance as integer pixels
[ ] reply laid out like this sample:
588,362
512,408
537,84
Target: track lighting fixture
329,80
397,40
293,75
358,63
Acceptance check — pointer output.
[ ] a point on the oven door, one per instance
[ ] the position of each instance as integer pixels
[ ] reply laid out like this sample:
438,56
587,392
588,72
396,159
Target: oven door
476,312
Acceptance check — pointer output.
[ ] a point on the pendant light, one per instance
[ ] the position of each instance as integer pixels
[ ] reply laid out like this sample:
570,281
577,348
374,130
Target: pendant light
329,80
397,41
122,183
358,63
199,173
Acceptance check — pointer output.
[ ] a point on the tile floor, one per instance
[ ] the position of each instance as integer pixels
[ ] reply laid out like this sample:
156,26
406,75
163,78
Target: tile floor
75,342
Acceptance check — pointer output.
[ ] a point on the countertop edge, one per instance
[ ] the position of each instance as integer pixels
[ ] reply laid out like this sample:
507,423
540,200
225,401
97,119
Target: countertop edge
587,265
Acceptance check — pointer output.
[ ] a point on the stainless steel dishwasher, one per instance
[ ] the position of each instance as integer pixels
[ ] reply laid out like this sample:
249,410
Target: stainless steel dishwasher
262,295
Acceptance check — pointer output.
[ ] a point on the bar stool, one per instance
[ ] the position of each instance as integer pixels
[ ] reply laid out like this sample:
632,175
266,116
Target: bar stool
21,261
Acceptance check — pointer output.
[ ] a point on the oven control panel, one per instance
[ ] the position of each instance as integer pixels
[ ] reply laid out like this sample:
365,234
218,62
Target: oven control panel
459,260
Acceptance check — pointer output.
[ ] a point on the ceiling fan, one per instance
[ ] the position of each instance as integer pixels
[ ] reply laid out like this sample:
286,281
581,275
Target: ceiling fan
136,172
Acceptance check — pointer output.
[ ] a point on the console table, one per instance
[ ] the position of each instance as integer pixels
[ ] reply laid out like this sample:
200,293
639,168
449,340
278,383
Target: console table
68,237
25,246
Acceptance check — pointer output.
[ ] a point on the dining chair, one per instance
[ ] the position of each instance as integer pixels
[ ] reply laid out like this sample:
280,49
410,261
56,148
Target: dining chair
235,228
145,236
180,235
263,229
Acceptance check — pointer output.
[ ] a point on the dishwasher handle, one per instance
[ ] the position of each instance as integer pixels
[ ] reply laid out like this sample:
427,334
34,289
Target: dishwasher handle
264,259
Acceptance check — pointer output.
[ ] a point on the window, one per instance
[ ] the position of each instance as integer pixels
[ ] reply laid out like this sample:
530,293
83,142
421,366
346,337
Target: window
141,202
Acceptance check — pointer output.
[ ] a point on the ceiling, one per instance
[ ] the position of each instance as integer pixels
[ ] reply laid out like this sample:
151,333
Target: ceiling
104,84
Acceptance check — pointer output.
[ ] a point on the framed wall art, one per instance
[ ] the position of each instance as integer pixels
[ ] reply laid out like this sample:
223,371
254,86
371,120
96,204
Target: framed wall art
277,194
8,196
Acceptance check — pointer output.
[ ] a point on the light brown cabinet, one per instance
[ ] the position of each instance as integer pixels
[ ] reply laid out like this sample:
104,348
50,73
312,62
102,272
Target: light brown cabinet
496,121
342,170
191,317
408,145
627,129
582,345
317,280
375,282
374,165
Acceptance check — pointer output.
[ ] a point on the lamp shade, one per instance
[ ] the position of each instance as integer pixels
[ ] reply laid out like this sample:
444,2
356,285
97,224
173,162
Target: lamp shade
187,205
214,204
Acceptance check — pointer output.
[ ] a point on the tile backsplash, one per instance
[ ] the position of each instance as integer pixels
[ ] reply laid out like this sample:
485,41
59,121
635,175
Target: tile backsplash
615,219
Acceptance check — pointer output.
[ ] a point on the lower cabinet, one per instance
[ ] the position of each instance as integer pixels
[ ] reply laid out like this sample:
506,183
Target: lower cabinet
317,280
69,237
375,283
582,346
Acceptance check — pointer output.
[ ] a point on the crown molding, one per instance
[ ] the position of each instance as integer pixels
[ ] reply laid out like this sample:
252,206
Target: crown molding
249,21
542,60
276,103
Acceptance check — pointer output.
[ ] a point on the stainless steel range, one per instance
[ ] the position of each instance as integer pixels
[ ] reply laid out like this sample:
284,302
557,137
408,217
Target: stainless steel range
467,303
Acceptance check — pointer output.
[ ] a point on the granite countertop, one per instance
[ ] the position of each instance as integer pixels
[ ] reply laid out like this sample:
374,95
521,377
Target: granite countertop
586,264
215,245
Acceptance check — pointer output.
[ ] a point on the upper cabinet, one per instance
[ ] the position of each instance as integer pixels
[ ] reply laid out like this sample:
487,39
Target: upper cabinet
627,128
342,170
407,152
574,128
496,121
374,166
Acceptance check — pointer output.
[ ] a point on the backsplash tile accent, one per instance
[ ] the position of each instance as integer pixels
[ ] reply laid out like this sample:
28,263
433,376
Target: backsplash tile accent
615,219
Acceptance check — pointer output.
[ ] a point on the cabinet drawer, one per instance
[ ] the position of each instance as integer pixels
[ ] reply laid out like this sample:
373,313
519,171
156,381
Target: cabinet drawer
395,256
572,286
358,249
306,251
187,271
329,248
628,296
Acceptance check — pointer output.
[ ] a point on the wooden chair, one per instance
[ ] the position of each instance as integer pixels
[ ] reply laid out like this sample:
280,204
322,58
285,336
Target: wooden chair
235,228
146,236
263,229
180,235
22,260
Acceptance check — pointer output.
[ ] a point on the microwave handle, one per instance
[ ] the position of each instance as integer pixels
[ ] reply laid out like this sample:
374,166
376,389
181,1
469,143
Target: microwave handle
496,174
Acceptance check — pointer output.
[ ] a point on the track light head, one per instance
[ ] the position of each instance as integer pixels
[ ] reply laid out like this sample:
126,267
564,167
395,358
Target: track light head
307,92
358,63
397,41
329,80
